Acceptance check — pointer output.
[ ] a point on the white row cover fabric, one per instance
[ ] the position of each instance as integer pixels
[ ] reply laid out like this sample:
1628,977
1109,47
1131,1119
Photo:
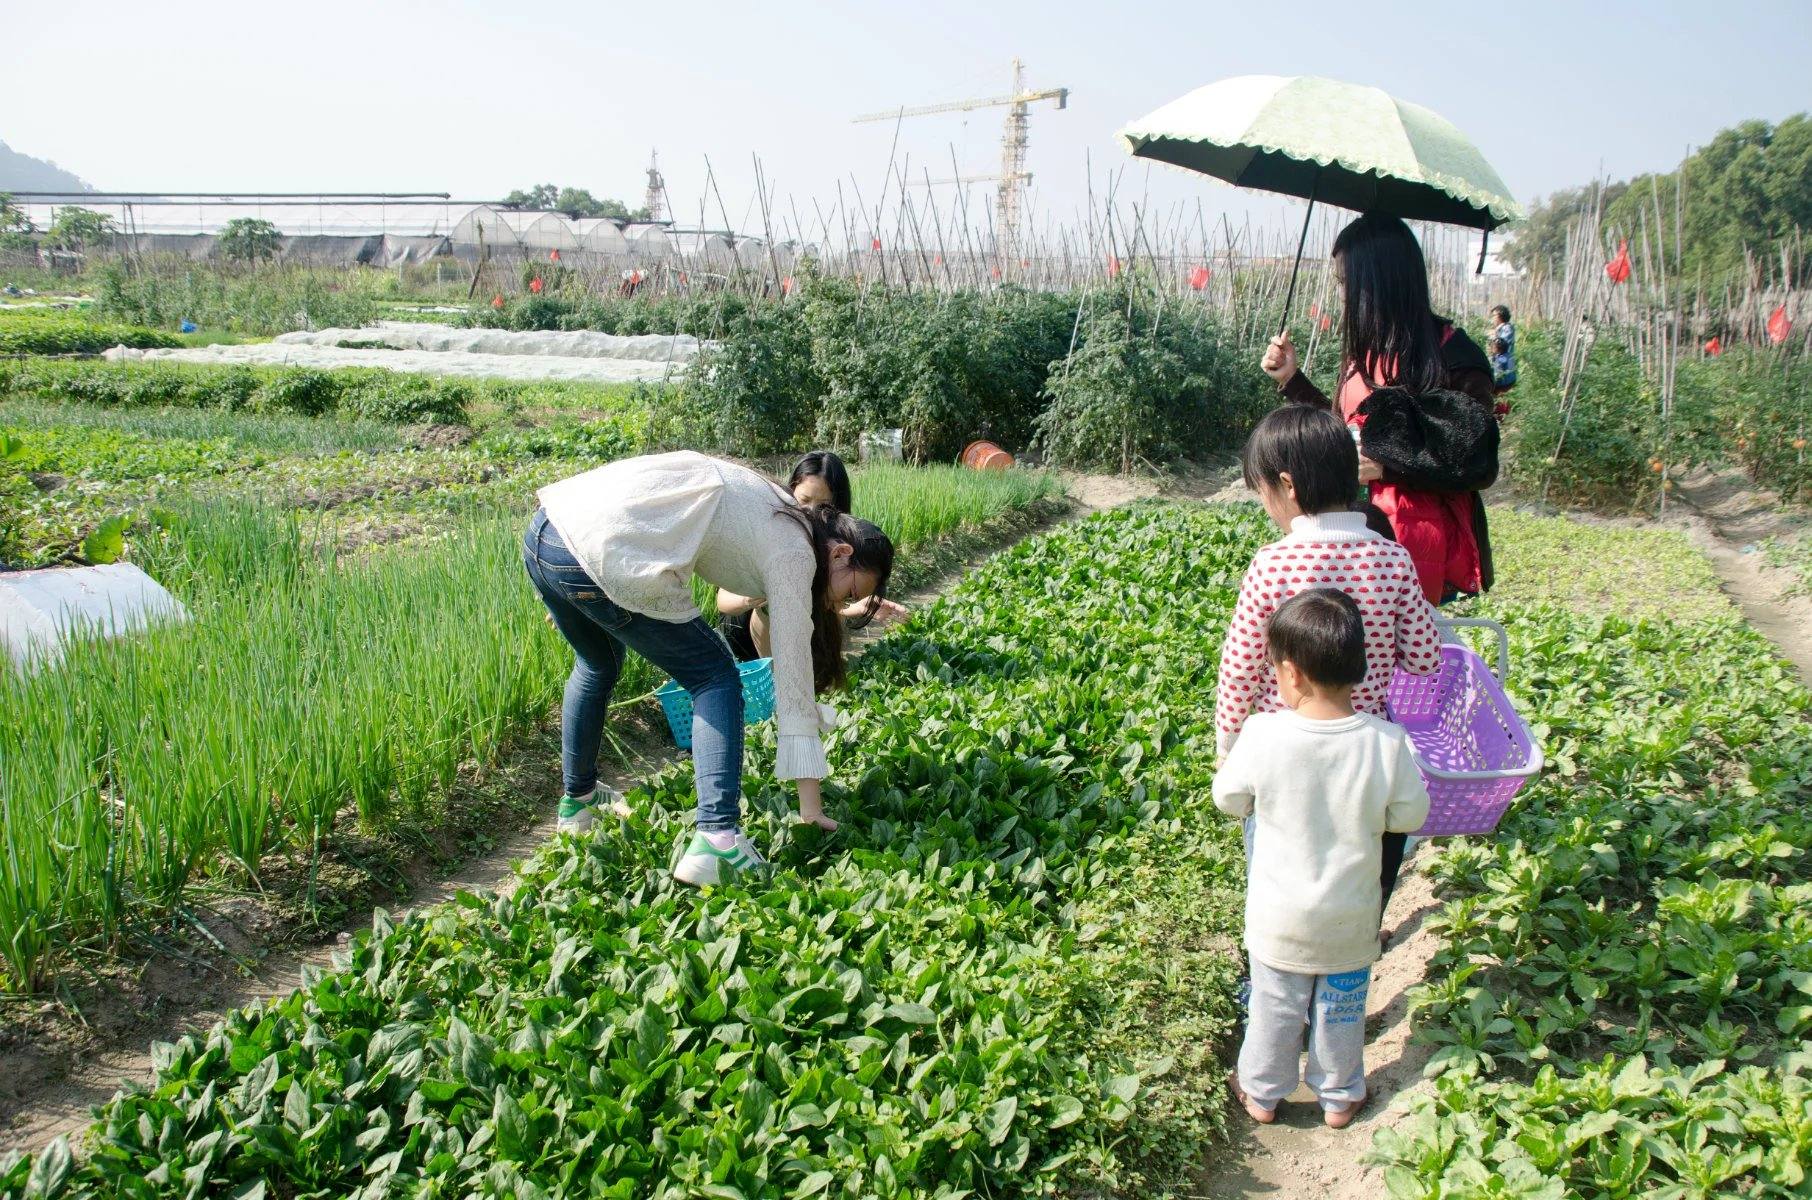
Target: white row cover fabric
41,611
444,339
530,367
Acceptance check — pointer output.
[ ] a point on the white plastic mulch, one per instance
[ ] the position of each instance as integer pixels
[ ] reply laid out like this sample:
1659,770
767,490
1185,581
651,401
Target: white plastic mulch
444,339
529,367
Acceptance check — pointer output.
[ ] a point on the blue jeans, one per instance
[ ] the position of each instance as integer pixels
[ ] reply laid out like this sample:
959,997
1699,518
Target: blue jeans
598,631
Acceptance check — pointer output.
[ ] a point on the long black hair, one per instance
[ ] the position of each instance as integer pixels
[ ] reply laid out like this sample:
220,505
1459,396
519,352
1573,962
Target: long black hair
826,466
1389,333
870,550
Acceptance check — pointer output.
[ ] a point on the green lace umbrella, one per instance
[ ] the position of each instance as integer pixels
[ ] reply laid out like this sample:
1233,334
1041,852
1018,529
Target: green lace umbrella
1335,143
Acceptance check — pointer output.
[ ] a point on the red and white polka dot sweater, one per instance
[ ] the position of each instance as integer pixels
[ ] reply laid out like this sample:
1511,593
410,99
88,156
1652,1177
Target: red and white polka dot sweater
1326,550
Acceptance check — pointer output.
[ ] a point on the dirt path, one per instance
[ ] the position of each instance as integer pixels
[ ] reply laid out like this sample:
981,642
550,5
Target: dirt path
1727,517
1299,1157
49,1089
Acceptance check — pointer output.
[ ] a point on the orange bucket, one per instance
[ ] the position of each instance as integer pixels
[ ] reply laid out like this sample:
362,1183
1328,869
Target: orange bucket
986,456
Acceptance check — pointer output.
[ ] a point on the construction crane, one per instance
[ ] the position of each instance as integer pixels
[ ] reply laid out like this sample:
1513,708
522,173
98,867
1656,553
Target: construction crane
655,201
1013,175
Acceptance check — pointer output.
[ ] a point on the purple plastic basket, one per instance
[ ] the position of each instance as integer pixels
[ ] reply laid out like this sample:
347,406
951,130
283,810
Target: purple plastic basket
1474,752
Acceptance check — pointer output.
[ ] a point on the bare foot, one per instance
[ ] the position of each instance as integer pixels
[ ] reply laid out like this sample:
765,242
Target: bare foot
1340,1118
819,819
1255,1110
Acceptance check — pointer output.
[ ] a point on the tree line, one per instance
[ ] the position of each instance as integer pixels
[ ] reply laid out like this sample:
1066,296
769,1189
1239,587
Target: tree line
1746,192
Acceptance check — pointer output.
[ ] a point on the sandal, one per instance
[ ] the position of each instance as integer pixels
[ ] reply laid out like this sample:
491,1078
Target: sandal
1255,1110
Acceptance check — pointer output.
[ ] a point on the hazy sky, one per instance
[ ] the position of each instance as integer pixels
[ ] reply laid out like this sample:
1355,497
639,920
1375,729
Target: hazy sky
476,98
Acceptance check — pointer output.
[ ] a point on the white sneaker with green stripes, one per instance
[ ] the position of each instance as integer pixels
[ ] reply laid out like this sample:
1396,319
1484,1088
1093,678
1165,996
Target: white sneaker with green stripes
580,813
702,864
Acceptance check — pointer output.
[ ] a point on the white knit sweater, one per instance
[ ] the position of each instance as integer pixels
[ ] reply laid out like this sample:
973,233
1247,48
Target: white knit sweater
642,527
1324,794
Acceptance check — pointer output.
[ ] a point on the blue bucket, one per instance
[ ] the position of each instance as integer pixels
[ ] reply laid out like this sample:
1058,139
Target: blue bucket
757,700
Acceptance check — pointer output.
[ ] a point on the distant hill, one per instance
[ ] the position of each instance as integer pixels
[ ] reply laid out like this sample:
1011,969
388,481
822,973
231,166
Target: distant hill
23,173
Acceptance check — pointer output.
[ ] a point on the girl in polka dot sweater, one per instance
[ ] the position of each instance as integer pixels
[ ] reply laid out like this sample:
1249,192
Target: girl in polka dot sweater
1304,466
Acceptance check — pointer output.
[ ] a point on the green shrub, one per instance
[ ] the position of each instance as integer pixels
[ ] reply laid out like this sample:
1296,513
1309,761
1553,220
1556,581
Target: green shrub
262,302
1600,454
407,399
302,390
1751,408
1142,388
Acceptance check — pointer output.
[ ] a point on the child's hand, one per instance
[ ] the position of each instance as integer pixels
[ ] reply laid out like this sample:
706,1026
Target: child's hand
1279,361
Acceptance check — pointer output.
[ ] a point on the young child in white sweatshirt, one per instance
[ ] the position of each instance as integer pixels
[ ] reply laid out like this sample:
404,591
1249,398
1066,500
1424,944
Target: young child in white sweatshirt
1324,784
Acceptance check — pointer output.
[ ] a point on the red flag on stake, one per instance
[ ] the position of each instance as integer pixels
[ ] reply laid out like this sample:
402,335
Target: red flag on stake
1314,309
553,256
1779,325
1198,278
1618,269
1327,322
1113,266
874,243
497,300
535,285
994,271
786,286
937,260
1714,347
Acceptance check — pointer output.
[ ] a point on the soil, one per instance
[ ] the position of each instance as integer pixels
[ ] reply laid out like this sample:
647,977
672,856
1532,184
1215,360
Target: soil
440,437
1728,517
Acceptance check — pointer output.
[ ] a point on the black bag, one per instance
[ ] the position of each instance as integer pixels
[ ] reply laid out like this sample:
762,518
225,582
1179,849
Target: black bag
1438,441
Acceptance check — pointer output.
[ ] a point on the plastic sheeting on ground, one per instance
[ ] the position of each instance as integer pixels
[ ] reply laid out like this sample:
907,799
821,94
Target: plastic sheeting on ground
41,610
418,362
444,339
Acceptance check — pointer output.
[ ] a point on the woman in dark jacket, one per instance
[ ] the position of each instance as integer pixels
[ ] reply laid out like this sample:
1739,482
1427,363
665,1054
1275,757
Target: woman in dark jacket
1421,391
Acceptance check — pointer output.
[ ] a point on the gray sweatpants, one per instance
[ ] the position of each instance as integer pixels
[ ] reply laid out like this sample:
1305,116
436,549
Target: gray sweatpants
1332,1009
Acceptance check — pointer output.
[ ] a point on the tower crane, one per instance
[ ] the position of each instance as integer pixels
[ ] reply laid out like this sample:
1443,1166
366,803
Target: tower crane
1013,174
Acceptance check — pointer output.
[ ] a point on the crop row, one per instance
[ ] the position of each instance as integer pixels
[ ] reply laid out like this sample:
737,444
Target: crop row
138,767
1620,1004
62,334
951,996
1102,378
371,394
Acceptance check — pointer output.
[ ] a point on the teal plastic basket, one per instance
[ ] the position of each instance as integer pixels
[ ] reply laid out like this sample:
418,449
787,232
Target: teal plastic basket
757,700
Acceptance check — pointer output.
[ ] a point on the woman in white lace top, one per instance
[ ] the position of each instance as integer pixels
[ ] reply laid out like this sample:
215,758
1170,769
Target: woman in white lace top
613,551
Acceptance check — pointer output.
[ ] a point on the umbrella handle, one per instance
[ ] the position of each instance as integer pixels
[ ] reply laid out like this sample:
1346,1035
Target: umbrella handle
1295,267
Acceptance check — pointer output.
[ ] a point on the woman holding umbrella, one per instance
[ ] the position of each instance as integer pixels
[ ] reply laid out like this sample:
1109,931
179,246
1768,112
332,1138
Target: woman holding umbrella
1430,388
1410,378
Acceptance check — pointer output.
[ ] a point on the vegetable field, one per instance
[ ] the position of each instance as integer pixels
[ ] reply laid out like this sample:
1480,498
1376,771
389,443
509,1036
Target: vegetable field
1011,971
362,628
946,997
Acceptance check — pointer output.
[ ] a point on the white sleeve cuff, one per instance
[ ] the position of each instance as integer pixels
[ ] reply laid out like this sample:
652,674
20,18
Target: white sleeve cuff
828,718
800,756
